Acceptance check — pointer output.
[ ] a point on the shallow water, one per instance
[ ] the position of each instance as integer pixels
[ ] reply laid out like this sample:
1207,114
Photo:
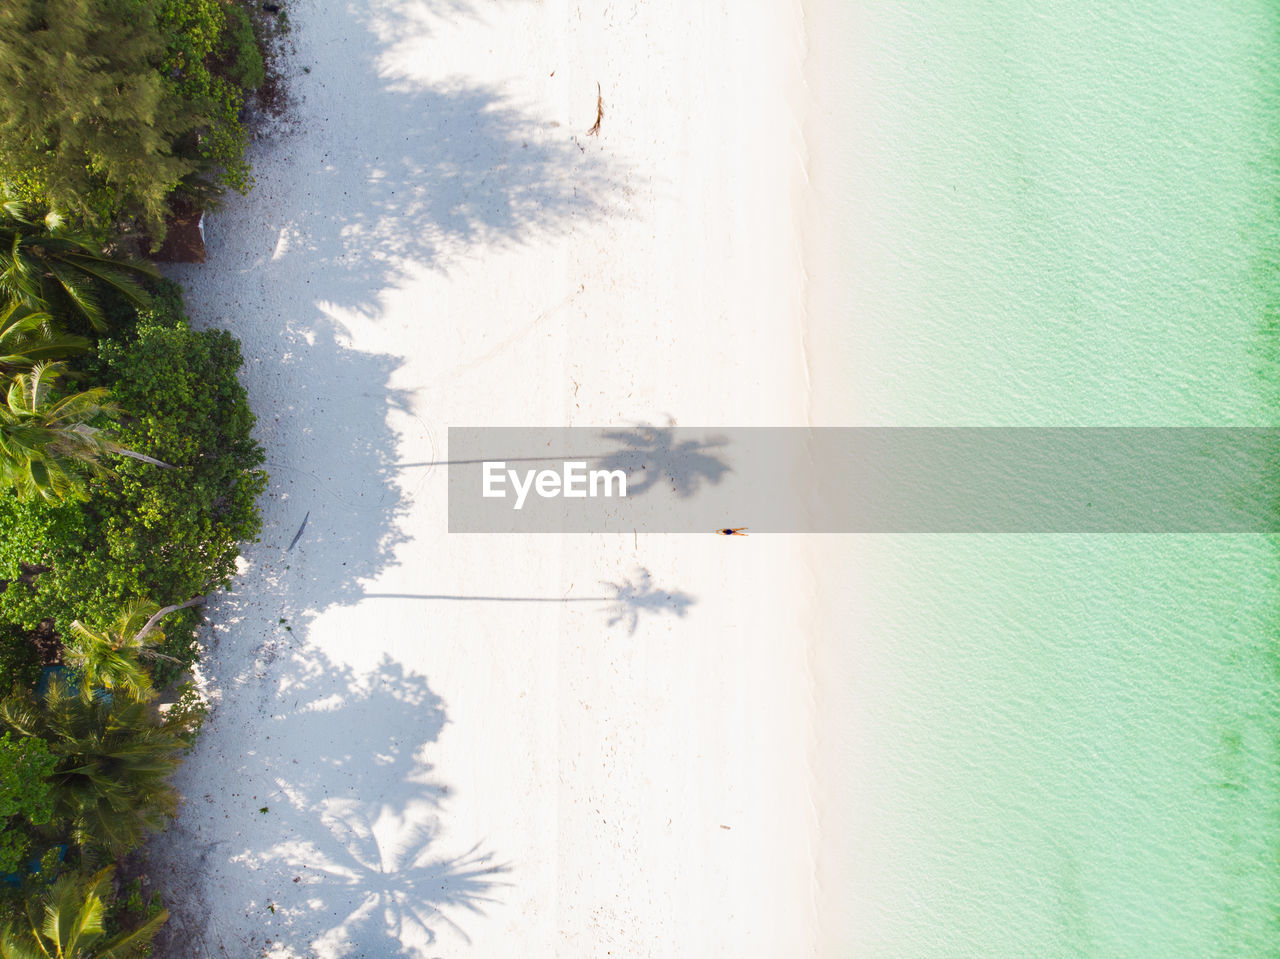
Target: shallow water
1047,214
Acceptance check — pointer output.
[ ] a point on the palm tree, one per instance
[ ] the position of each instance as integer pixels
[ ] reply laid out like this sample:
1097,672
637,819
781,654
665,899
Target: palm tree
46,443
46,266
67,923
110,658
115,756
28,337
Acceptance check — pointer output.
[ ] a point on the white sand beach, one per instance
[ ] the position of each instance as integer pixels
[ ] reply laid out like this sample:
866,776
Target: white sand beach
427,744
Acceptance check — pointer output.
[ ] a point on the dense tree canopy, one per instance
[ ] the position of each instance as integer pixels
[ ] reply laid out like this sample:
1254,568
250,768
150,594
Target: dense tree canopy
108,106
26,796
86,120
107,109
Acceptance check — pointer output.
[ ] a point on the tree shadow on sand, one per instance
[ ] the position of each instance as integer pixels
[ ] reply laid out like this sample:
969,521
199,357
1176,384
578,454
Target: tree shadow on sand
632,598
349,857
465,167
341,477
648,455
335,853
470,169
345,211
624,602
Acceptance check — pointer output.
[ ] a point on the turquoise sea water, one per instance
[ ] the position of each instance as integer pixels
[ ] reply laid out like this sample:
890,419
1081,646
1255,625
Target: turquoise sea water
1047,213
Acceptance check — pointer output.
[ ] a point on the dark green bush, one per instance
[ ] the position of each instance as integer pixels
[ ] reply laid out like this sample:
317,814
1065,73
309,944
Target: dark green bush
19,659
212,61
241,52
108,106
163,534
26,796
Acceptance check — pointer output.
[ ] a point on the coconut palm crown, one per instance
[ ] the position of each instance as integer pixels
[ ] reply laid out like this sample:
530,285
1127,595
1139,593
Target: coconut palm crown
47,266
48,442
110,657
67,922
28,337
115,756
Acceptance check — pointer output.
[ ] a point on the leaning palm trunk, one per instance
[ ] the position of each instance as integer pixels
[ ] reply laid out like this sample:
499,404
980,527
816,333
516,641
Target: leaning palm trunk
111,657
109,445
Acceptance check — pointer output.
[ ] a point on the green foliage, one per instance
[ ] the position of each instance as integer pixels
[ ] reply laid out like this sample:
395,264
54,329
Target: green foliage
148,532
46,267
68,921
212,60
49,441
190,709
131,909
194,29
241,52
110,656
19,658
86,119
28,337
133,901
108,106
34,535
175,534
26,796
114,757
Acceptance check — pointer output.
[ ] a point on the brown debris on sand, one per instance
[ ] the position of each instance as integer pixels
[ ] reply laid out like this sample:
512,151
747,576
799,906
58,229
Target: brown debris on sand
595,128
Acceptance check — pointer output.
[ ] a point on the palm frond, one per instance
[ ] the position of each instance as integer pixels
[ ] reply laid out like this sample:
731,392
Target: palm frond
13,945
79,293
14,208
116,273
46,264
30,336
135,944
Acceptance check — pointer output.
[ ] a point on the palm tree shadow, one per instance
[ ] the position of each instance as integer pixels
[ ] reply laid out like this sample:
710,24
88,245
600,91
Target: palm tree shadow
399,893
333,842
647,455
347,485
629,598
651,455
632,598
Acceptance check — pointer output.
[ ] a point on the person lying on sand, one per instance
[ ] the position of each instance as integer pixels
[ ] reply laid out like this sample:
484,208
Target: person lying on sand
733,531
